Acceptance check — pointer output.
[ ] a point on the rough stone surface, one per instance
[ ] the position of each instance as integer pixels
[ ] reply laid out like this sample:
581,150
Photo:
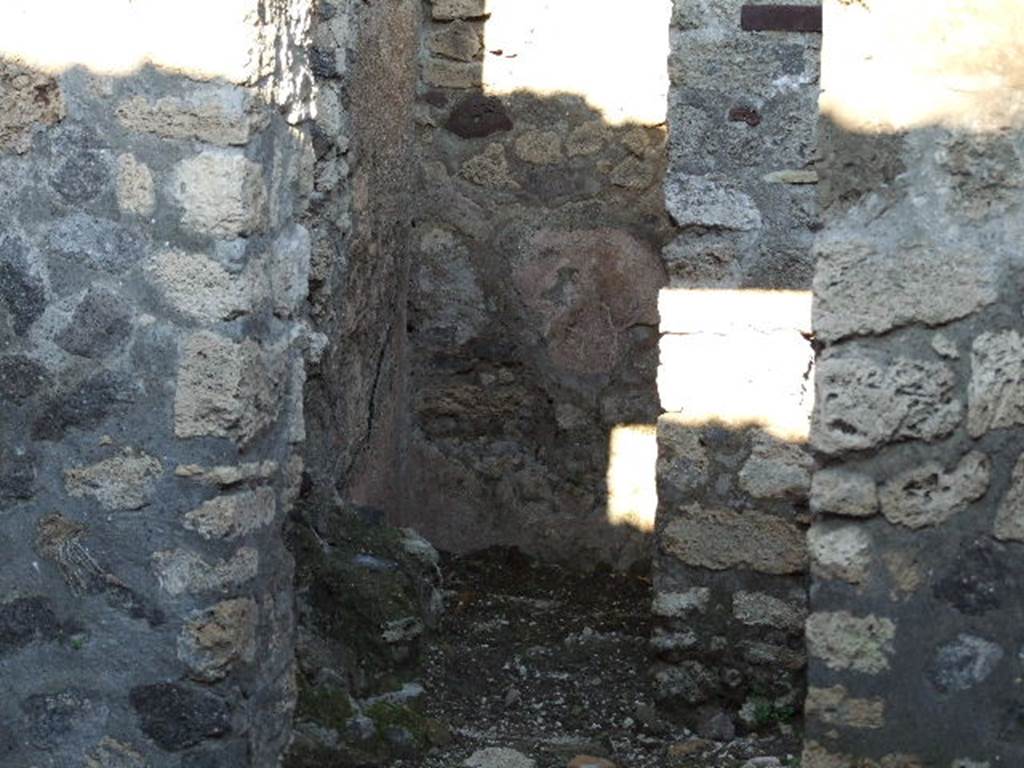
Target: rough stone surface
122,482
177,716
457,9
996,392
28,99
839,551
931,495
136,193
841,492
221,192
696,201
776,469
101,244
181,571
476,116
844,641
224,389
108,163
834,706
868,402
98,326
761,610
964,663
218,114
233,515
198,287
1009,525
498,757
218,638
720,539
861,289
676,604
458,40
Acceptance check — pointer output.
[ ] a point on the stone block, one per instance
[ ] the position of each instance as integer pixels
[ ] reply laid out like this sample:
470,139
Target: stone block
110,753
22,287
964,663
720,539
217,114
222,194
995,394
125,481
177,715
840,551
539,147
28,100
674,605
489,169
229,475
199,287
226,389
233,515
776,469
183,572
25,620
477,116
17,473
99,244
22,378
445,10
447,295
683,461
100,324
84,405
857,643
452,74
862,289
1009,525
698,201
705,260
864,402
929,494
834,706
757,609
837,491
459,41
217,639
288,270
136,192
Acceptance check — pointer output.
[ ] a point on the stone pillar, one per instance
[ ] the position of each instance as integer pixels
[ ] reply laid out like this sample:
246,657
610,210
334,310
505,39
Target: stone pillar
914,639
152,280
734,382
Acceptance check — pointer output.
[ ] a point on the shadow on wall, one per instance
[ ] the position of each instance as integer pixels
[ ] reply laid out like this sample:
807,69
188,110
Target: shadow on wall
533,315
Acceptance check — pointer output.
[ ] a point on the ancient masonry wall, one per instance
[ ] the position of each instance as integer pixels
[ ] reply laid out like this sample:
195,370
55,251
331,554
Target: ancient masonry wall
533,306
152,285
914,636
733,471
364,60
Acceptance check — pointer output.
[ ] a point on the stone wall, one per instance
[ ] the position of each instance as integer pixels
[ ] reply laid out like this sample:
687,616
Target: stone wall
533,306
152,288
365,592
734,381
364,61
914,638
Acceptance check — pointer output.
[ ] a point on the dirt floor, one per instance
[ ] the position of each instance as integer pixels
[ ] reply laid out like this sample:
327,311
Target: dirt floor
554,664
